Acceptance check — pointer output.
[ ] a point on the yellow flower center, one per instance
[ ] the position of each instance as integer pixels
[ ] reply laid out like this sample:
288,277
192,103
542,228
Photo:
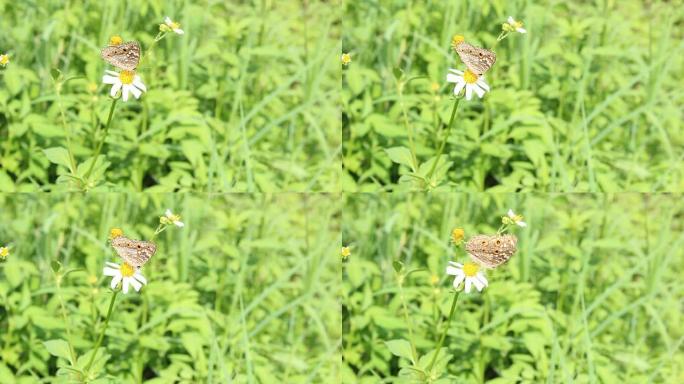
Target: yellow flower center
4,251
345,252
456,40
434,279
346,58
470,269
469,77
4,59
126,270
126,77
115,40
517,218
174,25
115,232
457,235
174,218
517,24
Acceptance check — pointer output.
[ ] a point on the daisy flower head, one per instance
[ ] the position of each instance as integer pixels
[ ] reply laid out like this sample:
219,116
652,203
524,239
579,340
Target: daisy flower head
345,253
126,81
346,58
170,25
114,233
170,218
468,80
514,26
457,235
4,252
125,274
468,272
115,40
4,59
513,218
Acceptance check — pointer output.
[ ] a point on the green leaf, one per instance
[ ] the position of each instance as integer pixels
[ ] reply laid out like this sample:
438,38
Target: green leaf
400,155
58,155
58,347
401,348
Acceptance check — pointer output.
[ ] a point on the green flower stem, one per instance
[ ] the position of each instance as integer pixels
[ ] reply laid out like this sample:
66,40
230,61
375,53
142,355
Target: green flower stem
441,339
446,137
101,143
414,352
104,328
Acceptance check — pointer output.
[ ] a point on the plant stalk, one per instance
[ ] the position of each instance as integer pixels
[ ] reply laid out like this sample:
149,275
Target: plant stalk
104,328
446,137
446,329
101,143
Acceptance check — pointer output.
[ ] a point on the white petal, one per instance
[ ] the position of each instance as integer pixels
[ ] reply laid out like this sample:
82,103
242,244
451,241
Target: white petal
482,278
115,281
179,31
124,92
136,285
136,92
115,88
456,71
458,280
179,224
468,284
511,20
168,213
478,284
107,271
113,265
106,79
521,224
459,87
138,276
482,83
126,282
113,73
138,83
511,214
521,30
168,21
480,92
469,92
451,78
453,271
455,264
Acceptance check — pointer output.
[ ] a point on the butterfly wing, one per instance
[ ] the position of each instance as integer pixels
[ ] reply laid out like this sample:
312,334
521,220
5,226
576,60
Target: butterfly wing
134,252
125,56
491,251
478,60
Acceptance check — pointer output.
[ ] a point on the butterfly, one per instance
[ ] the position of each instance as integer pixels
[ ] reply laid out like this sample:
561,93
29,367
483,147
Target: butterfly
134,252
491,250
125,56
478,60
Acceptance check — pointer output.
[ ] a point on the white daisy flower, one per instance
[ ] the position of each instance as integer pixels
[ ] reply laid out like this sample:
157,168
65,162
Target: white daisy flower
516,219
469,80
516,25
174,26
470,272
126,81
174,219
129,274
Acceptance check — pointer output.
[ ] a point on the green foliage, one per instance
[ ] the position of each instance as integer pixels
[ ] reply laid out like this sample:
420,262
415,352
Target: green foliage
246,292
588,100
593,293
244,101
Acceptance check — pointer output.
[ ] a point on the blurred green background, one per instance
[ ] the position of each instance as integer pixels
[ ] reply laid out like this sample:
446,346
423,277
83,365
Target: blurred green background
588,100
247,292
593,294
244,101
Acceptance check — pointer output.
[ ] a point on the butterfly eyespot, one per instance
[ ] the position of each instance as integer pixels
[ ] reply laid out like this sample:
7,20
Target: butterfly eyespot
498,242
484,242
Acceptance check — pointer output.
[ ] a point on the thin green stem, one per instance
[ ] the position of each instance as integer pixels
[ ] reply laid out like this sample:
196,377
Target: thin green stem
414,352
409,129
102,333
102,140
446,137
441,339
